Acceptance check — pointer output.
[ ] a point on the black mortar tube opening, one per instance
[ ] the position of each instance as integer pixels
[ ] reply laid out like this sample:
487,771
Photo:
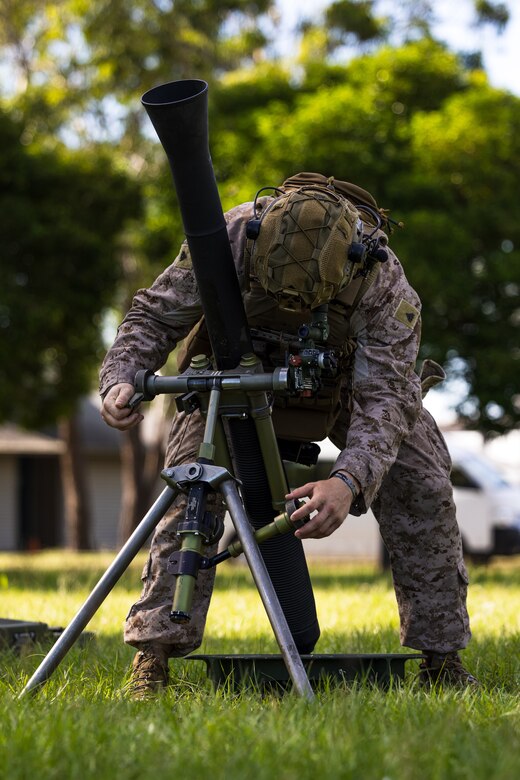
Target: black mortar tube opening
174,92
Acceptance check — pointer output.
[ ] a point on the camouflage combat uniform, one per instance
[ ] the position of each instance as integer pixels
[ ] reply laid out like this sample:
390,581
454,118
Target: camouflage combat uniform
388,441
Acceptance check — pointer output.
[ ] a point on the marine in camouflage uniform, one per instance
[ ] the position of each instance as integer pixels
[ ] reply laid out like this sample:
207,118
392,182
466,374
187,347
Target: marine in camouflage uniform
388,442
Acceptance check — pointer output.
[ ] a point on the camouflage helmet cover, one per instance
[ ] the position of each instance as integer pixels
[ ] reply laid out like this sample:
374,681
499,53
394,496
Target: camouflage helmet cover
301,254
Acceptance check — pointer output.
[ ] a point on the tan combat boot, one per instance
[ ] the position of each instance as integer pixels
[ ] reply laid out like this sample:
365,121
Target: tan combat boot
446,669
149,672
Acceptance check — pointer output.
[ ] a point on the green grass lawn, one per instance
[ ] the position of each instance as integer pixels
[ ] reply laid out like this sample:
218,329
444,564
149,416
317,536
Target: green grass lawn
80,726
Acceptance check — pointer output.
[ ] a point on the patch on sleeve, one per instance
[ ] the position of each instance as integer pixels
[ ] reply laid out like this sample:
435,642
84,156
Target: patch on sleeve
183,259
407,314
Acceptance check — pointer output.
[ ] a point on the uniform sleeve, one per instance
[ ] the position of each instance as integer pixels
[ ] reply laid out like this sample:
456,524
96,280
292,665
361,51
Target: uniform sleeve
163,314
158,319
386,392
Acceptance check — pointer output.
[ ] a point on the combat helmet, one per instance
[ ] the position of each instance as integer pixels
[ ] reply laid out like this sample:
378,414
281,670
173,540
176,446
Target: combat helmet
306,243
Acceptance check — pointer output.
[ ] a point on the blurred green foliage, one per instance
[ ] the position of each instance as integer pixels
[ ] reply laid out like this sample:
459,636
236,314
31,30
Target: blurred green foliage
61,213
413,122
440,148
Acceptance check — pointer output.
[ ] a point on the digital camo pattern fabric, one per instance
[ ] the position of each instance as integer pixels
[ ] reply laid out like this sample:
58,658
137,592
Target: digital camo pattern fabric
416,516
149,618
387,441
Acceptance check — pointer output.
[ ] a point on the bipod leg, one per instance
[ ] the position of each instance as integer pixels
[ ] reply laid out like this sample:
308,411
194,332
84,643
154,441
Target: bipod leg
101,590
266,590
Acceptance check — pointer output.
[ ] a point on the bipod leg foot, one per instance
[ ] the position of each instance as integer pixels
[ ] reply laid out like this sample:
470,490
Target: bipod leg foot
266,590
101,590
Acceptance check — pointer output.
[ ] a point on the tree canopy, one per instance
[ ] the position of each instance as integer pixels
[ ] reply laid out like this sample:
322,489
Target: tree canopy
439,147
371,97
61,215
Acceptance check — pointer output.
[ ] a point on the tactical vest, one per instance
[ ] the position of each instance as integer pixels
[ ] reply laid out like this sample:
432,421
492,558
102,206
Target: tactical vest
299,418
310,419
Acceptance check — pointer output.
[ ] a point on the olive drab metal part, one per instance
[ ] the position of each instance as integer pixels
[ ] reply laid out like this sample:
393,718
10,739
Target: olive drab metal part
301,247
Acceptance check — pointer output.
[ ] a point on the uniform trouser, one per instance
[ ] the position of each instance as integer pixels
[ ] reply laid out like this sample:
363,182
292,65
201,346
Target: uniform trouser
416,515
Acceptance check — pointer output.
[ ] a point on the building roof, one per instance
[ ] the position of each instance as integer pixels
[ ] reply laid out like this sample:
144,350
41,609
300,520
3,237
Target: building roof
16,441
97,437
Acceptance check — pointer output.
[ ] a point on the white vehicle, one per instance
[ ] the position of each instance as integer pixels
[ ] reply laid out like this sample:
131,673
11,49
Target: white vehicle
488,507
488,513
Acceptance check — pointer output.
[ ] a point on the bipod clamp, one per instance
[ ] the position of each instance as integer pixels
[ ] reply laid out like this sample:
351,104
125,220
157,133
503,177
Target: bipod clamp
198,528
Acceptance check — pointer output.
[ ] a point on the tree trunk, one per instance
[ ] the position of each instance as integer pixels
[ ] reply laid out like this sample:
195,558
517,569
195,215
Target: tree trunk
75,491
140,464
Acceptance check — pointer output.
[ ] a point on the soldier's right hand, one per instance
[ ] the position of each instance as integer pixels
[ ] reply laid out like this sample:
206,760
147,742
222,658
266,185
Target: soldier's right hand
115,411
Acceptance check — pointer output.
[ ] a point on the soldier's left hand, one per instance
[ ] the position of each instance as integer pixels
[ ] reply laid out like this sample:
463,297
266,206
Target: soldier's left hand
330,499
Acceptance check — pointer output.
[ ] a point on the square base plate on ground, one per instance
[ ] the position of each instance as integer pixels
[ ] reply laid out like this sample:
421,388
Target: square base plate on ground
270,670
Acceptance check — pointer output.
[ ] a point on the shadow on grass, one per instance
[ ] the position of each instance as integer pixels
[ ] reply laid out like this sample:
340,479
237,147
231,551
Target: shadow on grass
100,667
503,571
71,572
108,655
495,661
86,574
68,578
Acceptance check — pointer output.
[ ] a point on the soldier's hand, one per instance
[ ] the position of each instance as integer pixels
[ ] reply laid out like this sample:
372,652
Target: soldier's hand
115,411
330,499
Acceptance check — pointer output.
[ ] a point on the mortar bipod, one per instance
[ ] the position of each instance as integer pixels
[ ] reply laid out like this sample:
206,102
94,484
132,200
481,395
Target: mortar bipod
190,559
213,477
201,528
198,528
239,435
